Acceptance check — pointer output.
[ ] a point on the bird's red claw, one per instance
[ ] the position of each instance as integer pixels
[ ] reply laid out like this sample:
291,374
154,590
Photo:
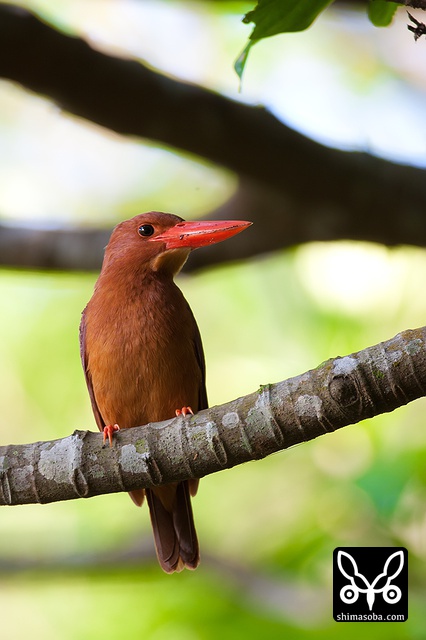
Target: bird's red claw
184,411
109,431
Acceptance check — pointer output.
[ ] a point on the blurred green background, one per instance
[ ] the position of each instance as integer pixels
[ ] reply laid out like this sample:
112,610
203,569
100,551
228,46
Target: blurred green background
87,569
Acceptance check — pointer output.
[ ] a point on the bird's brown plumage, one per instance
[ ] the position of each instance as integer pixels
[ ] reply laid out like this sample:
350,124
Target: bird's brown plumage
143,358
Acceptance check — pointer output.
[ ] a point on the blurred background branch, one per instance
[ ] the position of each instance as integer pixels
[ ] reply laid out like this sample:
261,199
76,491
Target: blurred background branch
337,151
300,189
281,596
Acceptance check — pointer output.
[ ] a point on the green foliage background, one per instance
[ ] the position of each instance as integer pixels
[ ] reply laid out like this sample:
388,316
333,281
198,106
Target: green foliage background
268,528
87,569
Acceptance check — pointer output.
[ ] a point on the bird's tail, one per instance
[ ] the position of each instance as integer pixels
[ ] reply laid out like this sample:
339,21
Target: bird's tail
173,526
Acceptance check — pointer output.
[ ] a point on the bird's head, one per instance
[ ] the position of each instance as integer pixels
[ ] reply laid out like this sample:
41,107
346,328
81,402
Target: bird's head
163,241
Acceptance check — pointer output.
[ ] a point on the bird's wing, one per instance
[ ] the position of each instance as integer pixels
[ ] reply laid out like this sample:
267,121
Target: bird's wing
203,402
83,355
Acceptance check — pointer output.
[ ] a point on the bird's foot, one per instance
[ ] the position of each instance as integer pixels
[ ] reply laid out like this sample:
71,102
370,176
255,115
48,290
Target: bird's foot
109,431
184,411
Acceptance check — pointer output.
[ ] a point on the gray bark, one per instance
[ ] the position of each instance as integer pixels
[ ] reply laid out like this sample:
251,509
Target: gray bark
337,393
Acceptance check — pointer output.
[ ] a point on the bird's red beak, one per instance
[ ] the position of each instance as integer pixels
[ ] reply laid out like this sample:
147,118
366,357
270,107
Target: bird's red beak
192,235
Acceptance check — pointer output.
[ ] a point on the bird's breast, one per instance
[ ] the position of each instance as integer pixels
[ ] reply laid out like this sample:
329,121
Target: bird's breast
141,356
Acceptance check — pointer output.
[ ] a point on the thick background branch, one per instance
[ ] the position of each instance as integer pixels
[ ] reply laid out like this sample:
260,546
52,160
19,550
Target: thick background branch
292,223
69,249
305,190
339,392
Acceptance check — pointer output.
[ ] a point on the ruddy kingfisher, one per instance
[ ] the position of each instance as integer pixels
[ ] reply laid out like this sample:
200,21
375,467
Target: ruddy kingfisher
142,354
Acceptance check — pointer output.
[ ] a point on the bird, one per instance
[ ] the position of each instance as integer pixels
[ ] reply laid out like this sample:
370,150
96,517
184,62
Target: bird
142,354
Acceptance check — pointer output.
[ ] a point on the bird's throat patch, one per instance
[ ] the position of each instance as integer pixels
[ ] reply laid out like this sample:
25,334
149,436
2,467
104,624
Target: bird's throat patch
171,261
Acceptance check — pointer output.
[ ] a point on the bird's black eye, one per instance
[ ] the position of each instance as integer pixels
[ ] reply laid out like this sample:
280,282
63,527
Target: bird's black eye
146,230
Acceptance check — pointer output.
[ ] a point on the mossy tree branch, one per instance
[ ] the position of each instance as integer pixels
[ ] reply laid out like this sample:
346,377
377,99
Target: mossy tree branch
339,392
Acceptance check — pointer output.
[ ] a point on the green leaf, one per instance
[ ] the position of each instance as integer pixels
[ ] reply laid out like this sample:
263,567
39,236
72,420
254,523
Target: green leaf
240,62
381,12
280,16
272,17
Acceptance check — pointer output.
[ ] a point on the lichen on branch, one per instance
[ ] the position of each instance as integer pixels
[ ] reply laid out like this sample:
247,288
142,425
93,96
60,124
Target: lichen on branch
339,392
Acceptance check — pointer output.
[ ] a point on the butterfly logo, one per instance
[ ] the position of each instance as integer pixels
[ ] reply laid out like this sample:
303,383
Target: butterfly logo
358,583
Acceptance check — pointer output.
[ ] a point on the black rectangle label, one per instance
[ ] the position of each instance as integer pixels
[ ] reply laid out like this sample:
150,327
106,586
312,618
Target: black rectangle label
370,584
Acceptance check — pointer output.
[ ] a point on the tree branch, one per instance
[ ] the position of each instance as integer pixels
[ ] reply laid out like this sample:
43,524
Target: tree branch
339,392
307,191
69,249
127,97
280,221
414,4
